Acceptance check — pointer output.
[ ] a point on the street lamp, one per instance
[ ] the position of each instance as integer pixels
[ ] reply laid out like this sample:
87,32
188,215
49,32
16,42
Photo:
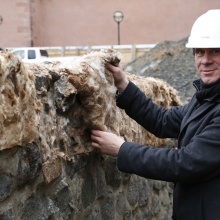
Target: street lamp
118,17
1,19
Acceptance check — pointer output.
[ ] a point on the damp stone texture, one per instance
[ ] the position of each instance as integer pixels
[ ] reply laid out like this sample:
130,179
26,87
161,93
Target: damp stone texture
48,169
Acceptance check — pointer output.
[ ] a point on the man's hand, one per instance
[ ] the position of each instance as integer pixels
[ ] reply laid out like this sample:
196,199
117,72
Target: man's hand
106,142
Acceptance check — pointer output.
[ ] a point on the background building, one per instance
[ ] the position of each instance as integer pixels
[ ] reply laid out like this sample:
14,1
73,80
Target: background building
83,23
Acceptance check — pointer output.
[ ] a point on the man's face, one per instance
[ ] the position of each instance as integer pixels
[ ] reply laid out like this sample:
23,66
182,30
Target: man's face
207,62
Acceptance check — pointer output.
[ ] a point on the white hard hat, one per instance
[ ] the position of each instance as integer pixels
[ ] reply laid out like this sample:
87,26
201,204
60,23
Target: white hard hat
205,31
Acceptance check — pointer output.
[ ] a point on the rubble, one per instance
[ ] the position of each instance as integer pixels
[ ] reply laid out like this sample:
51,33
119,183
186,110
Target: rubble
170,61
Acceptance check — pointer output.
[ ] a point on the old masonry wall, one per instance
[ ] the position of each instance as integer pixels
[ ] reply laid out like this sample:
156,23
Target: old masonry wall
48,169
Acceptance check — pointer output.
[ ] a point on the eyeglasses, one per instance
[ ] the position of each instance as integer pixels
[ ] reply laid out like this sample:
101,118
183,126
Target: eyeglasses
199,52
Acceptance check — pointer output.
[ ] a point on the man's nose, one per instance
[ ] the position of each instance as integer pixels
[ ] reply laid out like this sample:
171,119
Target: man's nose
206,58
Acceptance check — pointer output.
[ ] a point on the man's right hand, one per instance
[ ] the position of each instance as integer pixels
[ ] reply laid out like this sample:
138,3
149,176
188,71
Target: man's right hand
106,142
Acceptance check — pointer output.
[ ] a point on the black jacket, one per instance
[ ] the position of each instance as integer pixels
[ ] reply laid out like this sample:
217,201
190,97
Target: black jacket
194,167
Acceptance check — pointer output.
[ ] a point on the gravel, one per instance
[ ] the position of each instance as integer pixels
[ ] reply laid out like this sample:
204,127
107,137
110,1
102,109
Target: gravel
170,61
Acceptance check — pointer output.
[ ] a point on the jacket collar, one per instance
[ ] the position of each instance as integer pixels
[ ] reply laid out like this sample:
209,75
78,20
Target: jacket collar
205,92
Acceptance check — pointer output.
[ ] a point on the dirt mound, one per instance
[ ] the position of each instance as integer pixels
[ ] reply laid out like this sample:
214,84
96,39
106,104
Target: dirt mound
170,61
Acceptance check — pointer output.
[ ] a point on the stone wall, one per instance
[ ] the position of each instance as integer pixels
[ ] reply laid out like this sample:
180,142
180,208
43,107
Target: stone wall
90,188
52,173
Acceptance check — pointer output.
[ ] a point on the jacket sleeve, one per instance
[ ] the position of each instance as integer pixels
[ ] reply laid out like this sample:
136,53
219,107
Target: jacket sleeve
198,161
163,123
146,161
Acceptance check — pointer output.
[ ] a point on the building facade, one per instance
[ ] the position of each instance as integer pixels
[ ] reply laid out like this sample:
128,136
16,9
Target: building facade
83,23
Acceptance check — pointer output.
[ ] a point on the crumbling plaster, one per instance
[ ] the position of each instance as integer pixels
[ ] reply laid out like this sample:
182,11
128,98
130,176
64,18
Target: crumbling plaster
47,169
83,98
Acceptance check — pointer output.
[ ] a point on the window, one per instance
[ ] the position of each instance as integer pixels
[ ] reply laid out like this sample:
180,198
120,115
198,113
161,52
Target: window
43,53
20,53
31,54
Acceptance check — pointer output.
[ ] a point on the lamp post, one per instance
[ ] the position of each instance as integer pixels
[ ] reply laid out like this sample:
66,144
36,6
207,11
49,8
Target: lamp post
118,17
1,19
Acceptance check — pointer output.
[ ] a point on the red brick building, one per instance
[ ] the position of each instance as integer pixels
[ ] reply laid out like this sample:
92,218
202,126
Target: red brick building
90,22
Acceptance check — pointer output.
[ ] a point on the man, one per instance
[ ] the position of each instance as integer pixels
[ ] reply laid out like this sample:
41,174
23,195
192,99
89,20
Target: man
195,166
